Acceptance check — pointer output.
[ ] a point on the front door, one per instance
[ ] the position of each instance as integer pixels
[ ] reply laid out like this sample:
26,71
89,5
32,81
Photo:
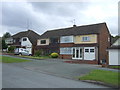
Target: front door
77,53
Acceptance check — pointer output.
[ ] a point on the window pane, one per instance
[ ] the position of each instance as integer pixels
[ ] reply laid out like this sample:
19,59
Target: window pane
24,39
73,52
91,50
77,53
86,50
85,38
66,39
80,53
43,42
65,50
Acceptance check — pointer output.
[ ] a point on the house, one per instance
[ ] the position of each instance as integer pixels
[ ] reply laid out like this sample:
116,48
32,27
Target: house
87,43
26,39
114,53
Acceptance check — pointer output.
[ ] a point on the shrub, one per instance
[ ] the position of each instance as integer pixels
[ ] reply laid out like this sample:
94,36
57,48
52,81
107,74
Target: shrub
11,49
54,55
38,52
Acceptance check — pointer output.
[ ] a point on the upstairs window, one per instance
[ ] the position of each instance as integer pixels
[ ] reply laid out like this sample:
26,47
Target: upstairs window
43,42
66,39
85,39
24,39
54,40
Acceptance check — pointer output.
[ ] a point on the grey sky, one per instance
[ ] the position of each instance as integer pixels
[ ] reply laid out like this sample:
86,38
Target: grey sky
44,16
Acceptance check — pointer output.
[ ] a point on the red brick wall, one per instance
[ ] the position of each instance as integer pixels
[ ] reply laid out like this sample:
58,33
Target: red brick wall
83,61
66,56
103,43
66,44
77,61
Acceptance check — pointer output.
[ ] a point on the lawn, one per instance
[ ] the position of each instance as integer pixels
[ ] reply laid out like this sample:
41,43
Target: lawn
6,59
35,57
114,67
108,77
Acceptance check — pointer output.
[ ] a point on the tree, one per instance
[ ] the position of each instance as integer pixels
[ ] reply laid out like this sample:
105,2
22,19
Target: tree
6,35
4,45
11,49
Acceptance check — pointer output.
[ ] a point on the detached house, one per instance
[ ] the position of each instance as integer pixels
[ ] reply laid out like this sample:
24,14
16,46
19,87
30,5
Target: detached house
87,43
25,39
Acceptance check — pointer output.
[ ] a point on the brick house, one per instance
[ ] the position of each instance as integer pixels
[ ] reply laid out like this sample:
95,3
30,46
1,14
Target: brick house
87,43
26,39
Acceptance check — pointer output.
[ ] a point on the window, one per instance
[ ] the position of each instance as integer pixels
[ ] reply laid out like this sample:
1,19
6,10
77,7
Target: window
66,39
65,50
54,40
24,39
86,38
86,50
91,50
43,42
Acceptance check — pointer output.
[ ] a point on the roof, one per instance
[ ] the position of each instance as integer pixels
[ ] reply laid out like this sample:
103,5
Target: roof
33,36
114,39
115,47
75,30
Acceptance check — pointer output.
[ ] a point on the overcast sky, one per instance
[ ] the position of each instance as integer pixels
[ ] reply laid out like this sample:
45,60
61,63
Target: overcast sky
43,16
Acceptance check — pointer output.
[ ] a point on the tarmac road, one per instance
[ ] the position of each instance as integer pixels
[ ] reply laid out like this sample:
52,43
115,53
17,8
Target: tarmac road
18,77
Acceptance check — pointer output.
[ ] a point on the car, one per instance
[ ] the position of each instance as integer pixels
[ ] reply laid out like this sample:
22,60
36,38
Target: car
21,51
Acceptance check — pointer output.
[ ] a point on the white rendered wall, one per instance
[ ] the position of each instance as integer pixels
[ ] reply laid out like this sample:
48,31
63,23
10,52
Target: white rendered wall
27,44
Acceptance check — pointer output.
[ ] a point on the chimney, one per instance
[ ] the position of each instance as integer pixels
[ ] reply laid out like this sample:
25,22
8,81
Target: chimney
74,25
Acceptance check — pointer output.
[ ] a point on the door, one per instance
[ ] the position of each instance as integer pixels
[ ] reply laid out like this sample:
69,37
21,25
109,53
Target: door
89,53
77,53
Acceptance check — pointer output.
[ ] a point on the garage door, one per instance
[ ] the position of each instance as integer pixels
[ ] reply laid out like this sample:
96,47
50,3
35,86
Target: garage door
89,53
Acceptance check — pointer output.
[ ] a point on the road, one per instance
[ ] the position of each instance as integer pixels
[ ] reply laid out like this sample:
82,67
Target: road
18,77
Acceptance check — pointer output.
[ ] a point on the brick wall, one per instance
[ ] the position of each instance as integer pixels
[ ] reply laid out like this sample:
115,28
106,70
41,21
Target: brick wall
103,44
65,57
83,61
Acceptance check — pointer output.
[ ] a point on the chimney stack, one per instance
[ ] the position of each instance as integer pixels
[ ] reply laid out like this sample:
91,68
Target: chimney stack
74,25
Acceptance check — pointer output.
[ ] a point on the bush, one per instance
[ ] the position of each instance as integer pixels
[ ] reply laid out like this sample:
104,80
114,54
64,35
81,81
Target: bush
54,55
38,53
11,49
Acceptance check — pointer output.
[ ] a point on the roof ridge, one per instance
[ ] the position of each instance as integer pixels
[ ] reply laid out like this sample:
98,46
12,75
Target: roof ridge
77,26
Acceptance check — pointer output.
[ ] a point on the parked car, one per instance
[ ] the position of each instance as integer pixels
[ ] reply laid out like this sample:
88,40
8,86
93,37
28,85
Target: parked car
21,51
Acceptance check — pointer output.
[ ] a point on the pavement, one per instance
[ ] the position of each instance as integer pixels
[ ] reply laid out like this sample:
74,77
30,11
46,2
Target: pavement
51,68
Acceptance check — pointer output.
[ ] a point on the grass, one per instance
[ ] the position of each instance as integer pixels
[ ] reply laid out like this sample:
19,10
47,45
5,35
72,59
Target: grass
6,59
115,67
35,57
108,77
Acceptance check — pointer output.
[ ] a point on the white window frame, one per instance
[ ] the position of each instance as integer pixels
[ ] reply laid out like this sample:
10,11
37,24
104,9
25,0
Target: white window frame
66,39
66,50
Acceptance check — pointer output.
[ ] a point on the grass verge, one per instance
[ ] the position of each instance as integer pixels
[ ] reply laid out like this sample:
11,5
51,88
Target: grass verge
108,77
34,57
6,59
114,67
